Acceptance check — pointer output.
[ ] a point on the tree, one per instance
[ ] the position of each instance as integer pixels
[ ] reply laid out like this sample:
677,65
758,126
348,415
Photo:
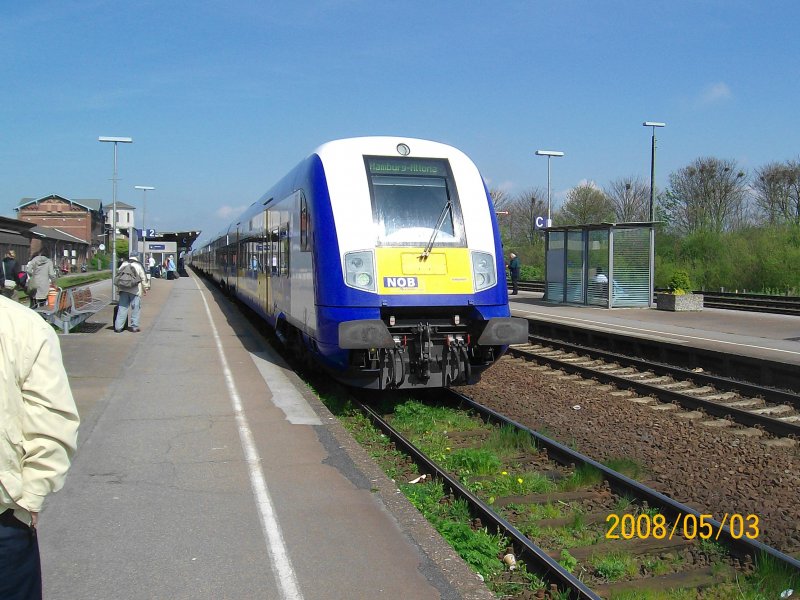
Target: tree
776,189
630,198
708,195
500,198
586,204
526,207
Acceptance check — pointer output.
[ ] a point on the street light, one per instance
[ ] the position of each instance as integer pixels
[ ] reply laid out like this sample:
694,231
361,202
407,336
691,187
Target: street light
144,189
652,124
115,141
549,154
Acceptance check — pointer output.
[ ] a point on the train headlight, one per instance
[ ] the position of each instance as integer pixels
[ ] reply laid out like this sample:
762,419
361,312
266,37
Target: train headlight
484,274
359,271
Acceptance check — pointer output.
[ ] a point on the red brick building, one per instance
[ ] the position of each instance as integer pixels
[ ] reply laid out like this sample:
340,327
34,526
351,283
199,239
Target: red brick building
81,219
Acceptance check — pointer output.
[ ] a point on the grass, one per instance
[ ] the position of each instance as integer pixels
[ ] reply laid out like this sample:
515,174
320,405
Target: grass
416,418
614,566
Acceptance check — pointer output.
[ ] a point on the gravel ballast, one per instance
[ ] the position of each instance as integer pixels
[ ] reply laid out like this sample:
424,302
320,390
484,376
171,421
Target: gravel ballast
712,468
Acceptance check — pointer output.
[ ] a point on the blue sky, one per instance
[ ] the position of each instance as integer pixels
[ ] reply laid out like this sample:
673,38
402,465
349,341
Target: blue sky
222,98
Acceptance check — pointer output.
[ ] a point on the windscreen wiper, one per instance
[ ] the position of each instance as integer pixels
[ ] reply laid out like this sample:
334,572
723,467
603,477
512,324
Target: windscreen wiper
429,247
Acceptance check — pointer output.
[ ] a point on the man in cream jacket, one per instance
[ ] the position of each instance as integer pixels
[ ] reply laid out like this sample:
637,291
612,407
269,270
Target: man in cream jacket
38,435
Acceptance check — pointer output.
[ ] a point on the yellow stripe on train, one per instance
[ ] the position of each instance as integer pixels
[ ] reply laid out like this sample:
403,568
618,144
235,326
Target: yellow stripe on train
406,271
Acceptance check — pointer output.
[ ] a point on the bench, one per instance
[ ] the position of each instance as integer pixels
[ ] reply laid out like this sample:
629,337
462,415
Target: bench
73,306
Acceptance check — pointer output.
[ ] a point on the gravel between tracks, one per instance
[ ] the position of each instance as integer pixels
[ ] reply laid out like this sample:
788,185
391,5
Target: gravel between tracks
711,469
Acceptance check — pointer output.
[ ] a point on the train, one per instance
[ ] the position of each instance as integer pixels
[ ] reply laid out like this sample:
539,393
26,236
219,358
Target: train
378,259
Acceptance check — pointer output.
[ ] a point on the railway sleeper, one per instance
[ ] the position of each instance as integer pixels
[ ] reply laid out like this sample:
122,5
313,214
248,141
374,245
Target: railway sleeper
703,577
635,547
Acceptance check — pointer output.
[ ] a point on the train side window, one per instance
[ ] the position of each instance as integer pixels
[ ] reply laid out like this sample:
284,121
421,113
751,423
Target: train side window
273,251
284,249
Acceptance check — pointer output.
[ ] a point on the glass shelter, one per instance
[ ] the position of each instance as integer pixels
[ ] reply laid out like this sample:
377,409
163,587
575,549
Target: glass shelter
606,265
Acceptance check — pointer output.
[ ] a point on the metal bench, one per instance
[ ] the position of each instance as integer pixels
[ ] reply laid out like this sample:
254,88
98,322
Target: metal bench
73,306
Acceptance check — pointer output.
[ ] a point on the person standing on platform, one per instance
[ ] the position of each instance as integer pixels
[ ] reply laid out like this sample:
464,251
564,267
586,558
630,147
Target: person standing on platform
10,273
132,284
513,268
38,436
151,266
172,271
41,273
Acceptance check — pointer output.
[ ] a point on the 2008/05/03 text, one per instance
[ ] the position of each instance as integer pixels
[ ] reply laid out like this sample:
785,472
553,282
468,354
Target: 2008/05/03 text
689,526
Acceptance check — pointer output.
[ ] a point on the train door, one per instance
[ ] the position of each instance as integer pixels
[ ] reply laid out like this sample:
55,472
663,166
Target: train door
273,251
279,259
262,253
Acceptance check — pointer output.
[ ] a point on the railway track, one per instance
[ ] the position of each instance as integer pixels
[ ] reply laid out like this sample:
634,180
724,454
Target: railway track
567,529
784,305
758,407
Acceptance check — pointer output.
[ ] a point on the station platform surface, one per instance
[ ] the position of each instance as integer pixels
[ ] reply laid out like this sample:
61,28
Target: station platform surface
759,335
206,469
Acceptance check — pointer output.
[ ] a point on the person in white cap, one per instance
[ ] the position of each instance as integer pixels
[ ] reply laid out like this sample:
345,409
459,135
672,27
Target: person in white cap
132,284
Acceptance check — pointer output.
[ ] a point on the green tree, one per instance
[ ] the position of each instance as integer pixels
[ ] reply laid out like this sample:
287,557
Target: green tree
585,204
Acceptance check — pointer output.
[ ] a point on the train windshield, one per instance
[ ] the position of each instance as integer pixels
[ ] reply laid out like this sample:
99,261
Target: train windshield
413,202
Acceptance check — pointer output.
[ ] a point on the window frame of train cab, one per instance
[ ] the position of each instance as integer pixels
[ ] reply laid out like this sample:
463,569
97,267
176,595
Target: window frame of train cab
444,172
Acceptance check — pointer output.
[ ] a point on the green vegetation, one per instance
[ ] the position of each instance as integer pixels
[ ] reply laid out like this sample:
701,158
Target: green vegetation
614,566
757,259
679,283
489,469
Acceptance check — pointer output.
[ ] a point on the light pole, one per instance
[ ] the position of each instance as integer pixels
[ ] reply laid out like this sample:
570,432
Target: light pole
115,141
652,124
549,154
144,189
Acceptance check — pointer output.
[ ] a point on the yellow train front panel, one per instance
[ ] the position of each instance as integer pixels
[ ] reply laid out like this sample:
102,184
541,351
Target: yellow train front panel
408,271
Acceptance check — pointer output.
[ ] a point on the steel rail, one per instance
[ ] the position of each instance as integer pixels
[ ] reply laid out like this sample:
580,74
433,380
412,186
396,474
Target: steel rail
724,383
623,485
773,426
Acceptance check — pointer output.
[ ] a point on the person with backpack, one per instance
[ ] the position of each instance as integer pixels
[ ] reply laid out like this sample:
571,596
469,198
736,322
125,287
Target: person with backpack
132,284
41,273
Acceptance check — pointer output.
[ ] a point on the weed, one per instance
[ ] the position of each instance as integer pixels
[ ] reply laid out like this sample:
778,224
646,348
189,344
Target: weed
473,461
626,466
518,485
510,439
622,504
568,561
478,548
583,476
614,566
770,579
414,417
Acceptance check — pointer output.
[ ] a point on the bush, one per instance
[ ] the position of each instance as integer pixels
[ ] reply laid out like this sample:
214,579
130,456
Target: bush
680,283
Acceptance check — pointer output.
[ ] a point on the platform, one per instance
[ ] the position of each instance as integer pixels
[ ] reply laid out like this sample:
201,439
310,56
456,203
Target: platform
206,469
758,335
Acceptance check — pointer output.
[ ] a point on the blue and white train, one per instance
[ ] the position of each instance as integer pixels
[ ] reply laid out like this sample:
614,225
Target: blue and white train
378,258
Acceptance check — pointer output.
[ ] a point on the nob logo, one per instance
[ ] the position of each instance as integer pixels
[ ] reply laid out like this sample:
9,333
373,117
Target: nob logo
400,282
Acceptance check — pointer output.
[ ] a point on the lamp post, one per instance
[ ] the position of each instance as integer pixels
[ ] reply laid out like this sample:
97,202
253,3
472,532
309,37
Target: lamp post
652,124
144,189
549,154
115,141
